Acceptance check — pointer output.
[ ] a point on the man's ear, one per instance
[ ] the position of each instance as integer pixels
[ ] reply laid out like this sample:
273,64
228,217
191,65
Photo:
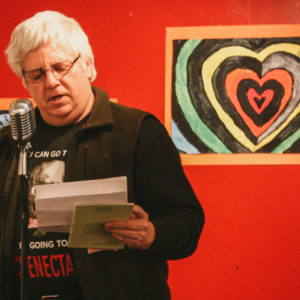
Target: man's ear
88,69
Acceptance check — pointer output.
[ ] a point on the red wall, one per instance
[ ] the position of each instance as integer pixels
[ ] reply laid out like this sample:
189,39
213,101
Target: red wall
250,245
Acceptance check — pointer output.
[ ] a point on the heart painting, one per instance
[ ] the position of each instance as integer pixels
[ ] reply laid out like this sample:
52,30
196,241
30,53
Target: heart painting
236,95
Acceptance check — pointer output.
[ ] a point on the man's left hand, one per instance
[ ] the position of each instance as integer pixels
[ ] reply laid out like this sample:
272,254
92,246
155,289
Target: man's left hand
137,232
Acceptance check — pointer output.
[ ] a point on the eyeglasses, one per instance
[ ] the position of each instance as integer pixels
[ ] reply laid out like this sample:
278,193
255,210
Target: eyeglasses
59,70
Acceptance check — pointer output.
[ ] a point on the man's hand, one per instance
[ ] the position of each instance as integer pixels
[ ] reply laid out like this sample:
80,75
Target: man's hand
137,232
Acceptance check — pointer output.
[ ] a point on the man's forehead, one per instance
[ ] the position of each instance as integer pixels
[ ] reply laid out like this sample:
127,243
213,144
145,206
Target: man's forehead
46,55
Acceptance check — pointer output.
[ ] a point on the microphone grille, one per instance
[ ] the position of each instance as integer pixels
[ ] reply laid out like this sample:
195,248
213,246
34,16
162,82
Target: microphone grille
22,120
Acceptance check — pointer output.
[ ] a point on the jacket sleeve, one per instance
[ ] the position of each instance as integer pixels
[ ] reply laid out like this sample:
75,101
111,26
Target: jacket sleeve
163,190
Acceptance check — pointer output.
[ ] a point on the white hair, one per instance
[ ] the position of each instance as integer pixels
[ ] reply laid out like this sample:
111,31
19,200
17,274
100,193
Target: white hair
43,28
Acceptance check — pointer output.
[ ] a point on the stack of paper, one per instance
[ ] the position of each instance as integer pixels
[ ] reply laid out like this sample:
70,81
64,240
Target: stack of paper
86,206
87,230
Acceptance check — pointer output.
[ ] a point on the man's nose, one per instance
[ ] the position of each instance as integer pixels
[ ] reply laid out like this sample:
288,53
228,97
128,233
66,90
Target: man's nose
50,79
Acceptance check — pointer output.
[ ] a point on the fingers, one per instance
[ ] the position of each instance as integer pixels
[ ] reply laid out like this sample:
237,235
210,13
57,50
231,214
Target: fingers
93,250
132,239
134,224
139,213
138,232
136,239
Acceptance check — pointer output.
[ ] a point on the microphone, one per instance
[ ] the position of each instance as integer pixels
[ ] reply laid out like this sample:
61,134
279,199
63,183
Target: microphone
23,127
22,120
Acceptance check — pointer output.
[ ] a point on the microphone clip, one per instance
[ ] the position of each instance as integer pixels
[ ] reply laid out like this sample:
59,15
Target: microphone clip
22,166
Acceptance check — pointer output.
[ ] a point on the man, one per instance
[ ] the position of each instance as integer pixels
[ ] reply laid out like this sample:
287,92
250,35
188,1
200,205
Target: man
95,139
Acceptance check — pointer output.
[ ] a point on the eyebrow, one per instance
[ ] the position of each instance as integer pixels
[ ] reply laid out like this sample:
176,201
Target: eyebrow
42,69
38,69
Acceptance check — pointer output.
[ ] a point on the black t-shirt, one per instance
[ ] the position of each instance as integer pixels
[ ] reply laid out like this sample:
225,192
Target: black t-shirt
160,186
51,266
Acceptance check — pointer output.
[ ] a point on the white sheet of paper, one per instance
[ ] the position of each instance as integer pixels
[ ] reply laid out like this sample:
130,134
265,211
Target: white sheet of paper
54,203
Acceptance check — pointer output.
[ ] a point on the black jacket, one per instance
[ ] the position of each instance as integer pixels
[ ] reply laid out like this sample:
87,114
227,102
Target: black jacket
118,141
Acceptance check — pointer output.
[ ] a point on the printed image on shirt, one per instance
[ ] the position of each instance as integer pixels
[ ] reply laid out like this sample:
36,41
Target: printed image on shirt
45,173
50,262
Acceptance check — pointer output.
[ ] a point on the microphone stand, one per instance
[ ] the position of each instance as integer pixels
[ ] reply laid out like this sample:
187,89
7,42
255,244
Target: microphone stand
22,172
23,125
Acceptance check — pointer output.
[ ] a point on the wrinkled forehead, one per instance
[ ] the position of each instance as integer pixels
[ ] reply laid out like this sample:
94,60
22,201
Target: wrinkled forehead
47,54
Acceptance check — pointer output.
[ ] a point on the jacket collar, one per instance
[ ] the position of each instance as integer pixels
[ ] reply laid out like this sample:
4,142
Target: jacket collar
100,114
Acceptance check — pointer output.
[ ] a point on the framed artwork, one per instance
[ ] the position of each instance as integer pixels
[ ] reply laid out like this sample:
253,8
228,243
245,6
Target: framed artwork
233,94
4,108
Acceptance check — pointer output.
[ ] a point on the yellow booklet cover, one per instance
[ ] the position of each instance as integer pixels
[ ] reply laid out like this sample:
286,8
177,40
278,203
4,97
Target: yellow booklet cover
87,227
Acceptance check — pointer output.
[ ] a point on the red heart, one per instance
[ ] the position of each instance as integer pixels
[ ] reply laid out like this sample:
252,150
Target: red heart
232,82
265,98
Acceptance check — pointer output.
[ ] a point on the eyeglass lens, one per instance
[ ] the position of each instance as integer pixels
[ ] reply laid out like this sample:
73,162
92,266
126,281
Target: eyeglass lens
59,69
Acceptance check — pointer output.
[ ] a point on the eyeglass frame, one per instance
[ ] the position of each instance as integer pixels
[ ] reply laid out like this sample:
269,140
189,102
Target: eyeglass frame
43,71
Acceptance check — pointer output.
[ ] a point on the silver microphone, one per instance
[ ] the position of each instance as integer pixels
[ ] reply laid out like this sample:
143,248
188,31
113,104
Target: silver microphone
22,120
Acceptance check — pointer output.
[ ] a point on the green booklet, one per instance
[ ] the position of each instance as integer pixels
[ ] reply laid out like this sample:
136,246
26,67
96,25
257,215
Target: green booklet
87,227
